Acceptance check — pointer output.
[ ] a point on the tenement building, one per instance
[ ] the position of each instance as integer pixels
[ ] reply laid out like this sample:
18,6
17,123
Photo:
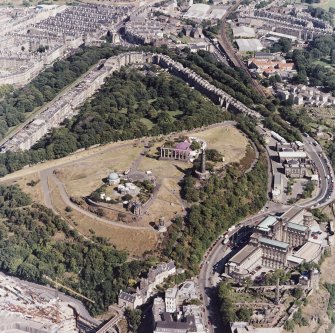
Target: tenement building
33,38
146,287
278,242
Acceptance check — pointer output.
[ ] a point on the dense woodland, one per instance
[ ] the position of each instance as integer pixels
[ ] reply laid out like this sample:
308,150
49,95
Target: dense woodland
35,242
133,104
236,83
309,70
229,311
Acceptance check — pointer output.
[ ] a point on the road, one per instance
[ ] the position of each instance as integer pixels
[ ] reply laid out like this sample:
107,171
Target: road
326,174
213,262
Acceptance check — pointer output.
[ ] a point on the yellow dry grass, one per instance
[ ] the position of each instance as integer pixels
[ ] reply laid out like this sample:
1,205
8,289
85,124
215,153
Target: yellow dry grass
68,160
164,168
316,308
84,171
34,191
166,204
226,139
83,177
136,242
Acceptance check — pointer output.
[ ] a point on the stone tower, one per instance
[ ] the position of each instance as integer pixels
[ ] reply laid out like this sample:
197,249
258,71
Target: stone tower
277,292
202,173
161,225
115,38
203,161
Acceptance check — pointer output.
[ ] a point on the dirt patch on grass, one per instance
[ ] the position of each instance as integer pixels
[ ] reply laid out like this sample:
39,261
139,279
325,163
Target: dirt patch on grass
248,158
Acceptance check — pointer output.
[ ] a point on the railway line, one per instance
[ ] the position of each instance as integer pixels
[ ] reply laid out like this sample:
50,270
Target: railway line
226,47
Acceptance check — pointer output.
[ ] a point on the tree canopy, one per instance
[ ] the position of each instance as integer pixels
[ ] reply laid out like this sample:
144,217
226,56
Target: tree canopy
30,249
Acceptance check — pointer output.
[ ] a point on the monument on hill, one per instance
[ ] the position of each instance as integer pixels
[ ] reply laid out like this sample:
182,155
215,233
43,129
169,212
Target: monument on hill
202,174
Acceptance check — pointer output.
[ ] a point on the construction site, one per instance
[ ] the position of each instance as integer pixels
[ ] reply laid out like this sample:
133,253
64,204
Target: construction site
25,307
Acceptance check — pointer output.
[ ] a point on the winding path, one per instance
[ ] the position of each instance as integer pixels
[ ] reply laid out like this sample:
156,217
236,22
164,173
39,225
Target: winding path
48,174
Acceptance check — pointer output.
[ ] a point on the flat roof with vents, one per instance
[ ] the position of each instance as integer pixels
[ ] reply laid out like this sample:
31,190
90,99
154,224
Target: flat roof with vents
266,223
273,242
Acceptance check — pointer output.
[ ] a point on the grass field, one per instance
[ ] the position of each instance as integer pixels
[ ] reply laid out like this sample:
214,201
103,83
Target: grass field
83,177
35,191
227,140
147,122
325,4
167,203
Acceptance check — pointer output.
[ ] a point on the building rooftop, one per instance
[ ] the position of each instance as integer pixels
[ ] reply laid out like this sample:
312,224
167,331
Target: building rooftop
127,297
243,254
273,242
243,327
169,326
113,176
183,145
188,290
264,54
251,44
295,259
309,251
15,324
277,179
296,226
267,222
292,154
243,31
171,292
162,267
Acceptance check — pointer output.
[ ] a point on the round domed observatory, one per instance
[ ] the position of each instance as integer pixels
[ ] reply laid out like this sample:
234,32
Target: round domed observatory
113,179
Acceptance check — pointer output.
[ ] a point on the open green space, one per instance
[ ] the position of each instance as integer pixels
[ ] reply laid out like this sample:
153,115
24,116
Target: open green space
147,122
325,4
